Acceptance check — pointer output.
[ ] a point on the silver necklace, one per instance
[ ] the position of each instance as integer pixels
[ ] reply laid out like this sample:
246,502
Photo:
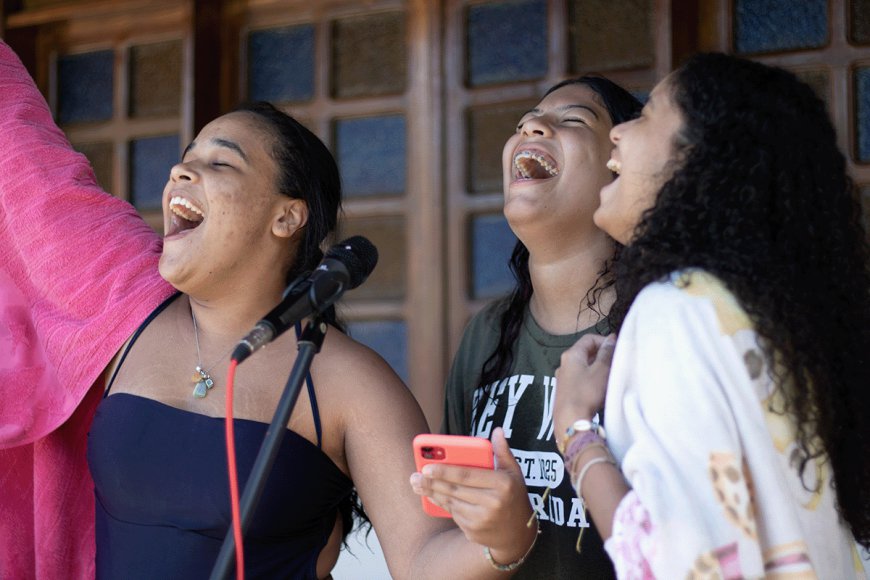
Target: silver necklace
201,377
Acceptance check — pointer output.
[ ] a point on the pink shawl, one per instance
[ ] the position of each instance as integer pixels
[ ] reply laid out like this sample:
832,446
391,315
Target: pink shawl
78,274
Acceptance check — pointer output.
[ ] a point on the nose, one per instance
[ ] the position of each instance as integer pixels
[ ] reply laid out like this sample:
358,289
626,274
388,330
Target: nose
537,126
616,133
182,172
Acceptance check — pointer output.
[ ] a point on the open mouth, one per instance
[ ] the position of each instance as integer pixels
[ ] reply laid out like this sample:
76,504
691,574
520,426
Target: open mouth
185,215
534,165
614,166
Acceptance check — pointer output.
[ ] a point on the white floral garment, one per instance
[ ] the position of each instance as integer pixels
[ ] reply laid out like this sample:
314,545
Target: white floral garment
690,418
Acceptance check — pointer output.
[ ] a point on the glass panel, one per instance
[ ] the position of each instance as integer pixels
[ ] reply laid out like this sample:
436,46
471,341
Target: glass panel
862,113
371,155
506,41
368,55
151,159
775,25
492,243
281,64
819,80
488,130
85,86
101,158
387,282
389,338
611,34
155,79
859,29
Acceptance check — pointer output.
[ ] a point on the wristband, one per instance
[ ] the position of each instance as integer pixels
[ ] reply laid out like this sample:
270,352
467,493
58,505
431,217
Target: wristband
580,426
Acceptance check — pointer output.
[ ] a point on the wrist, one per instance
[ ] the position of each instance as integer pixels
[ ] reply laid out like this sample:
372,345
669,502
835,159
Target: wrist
579,428
567,417
509,559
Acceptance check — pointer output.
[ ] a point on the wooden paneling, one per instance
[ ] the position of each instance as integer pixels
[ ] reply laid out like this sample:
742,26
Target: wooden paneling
447,120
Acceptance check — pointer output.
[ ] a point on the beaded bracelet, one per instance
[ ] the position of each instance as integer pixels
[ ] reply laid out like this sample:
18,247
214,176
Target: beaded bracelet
514,565
579,443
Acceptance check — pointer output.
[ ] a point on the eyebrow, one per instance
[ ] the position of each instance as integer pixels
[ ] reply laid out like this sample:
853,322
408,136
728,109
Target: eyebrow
564,108
231,145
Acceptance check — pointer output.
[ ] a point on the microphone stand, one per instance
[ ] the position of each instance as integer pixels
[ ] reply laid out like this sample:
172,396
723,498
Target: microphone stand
309,344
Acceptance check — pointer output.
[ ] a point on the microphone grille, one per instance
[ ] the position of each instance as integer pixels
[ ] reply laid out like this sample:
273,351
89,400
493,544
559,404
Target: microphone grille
359,255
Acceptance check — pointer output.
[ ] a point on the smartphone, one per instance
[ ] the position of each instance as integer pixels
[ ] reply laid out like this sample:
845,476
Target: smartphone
451,450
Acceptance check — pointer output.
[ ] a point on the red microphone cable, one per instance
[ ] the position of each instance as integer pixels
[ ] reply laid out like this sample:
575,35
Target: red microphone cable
234,477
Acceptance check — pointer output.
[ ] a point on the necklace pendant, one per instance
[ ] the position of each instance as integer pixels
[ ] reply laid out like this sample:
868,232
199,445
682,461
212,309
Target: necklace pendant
204,383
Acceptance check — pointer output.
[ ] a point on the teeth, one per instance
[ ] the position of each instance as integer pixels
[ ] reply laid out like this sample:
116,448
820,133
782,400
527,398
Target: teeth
182,207
614,166
527,170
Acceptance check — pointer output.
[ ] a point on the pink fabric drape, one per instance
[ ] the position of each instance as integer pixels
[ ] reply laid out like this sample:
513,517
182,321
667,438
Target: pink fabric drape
78,274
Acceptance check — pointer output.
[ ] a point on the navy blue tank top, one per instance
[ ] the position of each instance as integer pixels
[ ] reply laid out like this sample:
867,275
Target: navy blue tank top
162,496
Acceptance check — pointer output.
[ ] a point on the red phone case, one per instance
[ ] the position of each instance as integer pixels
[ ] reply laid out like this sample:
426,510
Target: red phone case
451,450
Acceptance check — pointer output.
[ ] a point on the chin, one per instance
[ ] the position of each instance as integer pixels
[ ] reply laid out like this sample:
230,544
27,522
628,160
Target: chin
167,271
600,221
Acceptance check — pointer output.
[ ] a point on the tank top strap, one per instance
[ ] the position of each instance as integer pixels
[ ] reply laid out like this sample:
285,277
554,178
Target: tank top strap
135,336
309,382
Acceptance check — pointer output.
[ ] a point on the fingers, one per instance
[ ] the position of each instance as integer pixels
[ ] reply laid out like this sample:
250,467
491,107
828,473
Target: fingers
486,514
466,477
490,489
491,506
605,350
490,494
582,379
504,457
588,352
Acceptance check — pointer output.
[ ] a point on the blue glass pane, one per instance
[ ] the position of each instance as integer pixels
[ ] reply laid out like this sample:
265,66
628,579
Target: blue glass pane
774,25
150,161
492,244
389,338
507,41
371,155
85,86
862,97
281,64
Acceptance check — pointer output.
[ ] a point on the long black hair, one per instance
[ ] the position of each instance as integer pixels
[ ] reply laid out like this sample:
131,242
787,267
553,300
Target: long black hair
621,106
308,171
761,199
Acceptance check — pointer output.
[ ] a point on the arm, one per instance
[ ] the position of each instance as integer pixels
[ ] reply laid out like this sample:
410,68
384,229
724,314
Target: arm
491,507
582,382
670,417
379,428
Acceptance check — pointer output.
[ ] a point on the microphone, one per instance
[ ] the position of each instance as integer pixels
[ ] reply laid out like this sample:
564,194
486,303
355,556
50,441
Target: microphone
345,266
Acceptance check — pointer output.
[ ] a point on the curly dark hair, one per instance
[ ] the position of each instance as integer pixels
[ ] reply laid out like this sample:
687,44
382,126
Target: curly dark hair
761,199
621,106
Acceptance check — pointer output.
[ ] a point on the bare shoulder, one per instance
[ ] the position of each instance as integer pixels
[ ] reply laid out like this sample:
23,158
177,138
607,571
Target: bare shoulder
359,375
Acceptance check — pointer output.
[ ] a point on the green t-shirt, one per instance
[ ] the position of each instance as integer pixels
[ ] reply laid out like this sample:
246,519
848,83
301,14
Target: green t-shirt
522,404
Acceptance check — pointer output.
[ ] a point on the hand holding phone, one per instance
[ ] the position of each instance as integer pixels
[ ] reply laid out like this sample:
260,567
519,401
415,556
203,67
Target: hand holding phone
450,450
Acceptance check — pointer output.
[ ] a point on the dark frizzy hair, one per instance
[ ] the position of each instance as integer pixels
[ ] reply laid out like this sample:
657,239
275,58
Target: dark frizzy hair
621,106
761,199
307,171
